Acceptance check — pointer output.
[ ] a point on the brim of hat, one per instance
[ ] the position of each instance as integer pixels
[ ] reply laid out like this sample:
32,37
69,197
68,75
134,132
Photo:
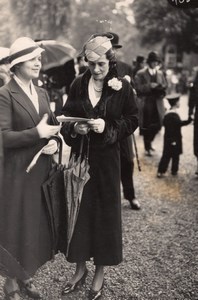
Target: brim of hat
117,46
173,96
153,60
26,57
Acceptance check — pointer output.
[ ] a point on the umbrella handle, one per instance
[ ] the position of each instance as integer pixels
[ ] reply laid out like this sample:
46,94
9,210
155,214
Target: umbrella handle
60,142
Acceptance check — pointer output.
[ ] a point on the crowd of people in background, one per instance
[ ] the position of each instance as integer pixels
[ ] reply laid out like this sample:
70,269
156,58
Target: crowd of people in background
116,97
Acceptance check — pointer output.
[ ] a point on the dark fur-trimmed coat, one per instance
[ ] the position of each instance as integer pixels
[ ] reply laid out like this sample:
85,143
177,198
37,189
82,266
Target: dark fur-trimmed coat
98,230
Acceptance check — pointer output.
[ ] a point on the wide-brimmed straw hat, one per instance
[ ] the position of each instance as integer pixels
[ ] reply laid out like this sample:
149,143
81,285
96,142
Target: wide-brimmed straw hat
23,49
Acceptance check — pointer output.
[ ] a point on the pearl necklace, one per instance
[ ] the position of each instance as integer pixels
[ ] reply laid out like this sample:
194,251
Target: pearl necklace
99,90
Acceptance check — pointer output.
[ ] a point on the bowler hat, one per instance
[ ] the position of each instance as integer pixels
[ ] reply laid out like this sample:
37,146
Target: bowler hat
23,49
140,59
115,40
153,56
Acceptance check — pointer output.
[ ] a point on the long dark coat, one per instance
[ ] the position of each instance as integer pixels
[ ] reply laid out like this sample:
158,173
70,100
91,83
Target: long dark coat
24,226
195,139
150,101
98,230
1,161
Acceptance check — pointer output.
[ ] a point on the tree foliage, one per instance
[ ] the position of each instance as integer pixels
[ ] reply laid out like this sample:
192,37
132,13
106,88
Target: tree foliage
42,18
158,20
72,21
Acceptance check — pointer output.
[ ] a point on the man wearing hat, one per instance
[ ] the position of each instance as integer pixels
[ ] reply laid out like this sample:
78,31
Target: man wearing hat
150,84
139,64
172,137
126,146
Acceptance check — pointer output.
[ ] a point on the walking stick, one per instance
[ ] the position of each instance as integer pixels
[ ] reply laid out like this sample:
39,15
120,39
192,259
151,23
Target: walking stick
196,172
136,153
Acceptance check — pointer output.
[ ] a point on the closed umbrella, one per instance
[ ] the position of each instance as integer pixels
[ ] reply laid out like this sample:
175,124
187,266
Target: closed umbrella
75,177
9,266
54,193
56,53
54,196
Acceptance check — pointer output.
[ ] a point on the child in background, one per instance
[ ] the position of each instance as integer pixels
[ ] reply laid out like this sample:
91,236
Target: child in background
172,137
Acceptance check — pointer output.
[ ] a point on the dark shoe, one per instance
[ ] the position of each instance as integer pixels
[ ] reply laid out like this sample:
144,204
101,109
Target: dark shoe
29,288
174,173
12,295
68,288
135,204
148,153
93,295
160,175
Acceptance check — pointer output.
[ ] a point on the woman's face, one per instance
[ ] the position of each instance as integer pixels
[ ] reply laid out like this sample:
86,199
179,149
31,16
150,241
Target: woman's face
99,68
30,69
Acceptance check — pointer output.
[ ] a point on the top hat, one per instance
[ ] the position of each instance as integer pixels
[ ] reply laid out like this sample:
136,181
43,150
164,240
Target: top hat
23,49
153,56
115,40
173,98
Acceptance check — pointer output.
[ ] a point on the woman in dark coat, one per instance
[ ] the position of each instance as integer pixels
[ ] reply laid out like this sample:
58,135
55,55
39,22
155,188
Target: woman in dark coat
100,95
24,117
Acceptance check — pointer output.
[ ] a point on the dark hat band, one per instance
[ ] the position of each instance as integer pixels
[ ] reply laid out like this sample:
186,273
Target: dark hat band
23,52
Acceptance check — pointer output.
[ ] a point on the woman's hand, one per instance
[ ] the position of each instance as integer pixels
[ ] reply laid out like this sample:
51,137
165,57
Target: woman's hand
97,125
50,148
45,130
81,128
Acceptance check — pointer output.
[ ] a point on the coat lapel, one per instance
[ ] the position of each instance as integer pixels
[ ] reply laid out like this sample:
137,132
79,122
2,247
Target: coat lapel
20,96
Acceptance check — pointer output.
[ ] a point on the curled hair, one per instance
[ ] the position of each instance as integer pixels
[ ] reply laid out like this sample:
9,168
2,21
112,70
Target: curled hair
13,69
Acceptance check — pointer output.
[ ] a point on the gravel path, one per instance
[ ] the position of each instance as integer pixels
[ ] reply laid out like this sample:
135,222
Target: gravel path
160,241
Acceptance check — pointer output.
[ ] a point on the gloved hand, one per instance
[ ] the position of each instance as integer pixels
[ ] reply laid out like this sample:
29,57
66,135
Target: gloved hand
45,130
97,125
81,128
51,147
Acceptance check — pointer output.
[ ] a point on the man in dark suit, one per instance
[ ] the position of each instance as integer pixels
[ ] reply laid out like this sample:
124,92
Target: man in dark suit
150,85
126,147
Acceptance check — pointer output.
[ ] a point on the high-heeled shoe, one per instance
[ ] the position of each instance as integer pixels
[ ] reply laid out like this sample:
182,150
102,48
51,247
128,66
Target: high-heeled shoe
12,295
93,295
29,288
68,288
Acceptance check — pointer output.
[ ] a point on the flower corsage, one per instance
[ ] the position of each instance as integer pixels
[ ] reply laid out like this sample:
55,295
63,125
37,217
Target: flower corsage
115,84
